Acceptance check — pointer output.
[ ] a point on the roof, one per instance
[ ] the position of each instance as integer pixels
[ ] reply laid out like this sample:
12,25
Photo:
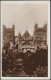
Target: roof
26,36
26,43
26,32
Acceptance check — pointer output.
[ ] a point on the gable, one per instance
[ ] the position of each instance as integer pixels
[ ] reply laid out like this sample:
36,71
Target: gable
26,36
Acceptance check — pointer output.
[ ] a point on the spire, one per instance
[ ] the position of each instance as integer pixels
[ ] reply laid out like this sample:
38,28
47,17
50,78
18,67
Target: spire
19,38
36,26
45,27
19,34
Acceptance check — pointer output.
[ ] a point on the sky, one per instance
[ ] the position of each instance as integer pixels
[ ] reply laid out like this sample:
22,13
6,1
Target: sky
24,16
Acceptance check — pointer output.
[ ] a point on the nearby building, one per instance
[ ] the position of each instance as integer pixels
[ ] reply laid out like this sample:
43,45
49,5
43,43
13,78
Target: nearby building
8,35
26,42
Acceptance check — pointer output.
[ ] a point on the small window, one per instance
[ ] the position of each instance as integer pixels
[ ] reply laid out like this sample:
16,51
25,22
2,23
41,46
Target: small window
10,31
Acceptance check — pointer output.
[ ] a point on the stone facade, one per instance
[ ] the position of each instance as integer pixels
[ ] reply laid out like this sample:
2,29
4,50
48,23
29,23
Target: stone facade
40,35
26,41
8,35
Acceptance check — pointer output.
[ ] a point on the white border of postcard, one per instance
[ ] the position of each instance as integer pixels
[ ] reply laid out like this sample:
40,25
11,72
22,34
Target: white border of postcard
28,2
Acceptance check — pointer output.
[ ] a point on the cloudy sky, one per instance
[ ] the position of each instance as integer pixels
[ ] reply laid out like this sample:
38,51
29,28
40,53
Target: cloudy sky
24,16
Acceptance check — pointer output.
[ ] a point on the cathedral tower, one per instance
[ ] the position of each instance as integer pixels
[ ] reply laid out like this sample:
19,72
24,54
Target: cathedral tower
40,35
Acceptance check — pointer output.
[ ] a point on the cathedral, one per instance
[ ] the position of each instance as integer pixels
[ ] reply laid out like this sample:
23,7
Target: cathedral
26,42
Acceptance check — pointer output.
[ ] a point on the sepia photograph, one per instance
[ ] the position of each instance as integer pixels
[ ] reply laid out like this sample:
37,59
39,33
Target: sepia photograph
25,39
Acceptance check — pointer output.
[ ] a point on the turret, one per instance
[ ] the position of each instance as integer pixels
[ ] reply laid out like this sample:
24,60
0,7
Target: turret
45,33
4,28
45,27
19,35
13,27
3,34
19,39
34,33
36,26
